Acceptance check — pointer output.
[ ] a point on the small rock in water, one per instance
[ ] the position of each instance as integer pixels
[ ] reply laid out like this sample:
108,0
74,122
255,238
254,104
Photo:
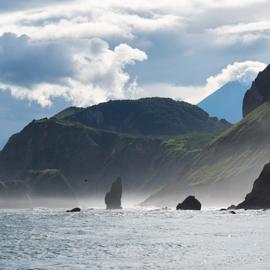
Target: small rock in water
113,197
190,203
76,209
232,207
232,212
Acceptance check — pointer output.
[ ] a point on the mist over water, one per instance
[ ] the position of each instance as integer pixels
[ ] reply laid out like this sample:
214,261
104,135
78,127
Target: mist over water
133,239
129,200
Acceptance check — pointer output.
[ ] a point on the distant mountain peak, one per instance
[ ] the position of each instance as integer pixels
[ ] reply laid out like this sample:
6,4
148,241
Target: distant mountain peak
226,102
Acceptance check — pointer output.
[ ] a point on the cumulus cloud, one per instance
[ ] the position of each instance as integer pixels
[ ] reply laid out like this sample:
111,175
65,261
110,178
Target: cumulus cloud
88,45
243,72
92,72
83,75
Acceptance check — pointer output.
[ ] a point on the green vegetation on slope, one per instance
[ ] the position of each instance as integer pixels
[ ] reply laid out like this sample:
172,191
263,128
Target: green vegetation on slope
257,118
149,142
192,143
147,117
227,167
68,112
82,152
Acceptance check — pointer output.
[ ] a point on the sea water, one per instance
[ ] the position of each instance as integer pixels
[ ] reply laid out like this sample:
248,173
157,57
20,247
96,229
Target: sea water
134,239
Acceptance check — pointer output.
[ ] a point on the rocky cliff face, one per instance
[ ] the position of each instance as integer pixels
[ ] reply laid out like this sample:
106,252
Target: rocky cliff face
259,197
225,170
90,158
258,93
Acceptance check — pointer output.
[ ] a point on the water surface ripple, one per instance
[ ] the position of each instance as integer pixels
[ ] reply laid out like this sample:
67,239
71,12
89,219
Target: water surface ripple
37,239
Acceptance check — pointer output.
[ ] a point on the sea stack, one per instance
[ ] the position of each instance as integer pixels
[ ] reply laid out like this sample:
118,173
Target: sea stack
113,197
190,203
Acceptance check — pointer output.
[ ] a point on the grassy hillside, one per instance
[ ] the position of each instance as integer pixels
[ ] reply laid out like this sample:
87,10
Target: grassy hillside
68,112
146,117
90,159
225,170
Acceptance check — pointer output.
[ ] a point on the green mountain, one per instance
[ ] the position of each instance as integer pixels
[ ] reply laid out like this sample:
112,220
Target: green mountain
225,170
68,112
90,158
147,117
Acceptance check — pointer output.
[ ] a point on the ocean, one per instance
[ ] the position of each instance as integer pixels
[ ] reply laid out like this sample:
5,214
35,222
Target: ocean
37,239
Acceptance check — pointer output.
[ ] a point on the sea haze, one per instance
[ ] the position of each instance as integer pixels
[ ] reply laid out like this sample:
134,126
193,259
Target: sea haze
134,239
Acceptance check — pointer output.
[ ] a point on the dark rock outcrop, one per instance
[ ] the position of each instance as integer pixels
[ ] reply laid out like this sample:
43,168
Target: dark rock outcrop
113,197
190,203
76,209
258,93
259,197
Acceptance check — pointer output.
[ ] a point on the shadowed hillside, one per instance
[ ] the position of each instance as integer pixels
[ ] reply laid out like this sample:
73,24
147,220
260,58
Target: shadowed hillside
91,158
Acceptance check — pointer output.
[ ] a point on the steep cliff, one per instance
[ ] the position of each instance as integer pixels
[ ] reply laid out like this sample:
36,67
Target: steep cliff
90,158
258,93
225,170
259,197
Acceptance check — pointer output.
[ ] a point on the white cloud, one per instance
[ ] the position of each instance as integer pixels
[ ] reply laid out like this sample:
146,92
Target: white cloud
245,33
232,3
86,19
93,72
110,18
98,72
244,72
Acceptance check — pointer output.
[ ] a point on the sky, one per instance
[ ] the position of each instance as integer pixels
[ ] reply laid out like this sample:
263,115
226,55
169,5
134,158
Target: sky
71,52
